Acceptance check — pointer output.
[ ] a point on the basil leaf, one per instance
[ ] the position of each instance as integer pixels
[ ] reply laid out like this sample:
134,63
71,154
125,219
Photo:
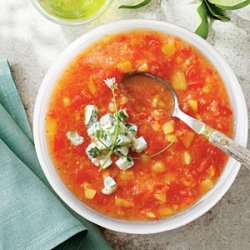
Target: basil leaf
230,4
215,12
202,29
135,5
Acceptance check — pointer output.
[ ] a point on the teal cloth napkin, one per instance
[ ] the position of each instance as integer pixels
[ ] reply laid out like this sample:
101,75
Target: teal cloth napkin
31,215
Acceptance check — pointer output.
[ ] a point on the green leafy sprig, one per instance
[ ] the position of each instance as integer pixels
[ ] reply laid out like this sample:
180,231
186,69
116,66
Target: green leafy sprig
146,157
207,9
113,87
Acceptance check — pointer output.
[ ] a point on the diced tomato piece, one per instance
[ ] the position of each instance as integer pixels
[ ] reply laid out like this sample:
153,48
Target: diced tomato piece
224,110
192,72
205,164
186,50
160,187
196,83
59,143
142,115
122,38
80,176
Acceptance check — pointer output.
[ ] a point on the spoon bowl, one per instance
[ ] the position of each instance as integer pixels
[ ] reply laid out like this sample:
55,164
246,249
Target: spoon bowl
215,137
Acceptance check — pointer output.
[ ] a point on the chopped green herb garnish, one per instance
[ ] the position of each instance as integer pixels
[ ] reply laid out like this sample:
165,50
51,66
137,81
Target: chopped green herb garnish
112,135
122,115
94,152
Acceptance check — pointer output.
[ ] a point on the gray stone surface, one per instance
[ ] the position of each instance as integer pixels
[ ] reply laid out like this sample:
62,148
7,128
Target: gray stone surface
31,43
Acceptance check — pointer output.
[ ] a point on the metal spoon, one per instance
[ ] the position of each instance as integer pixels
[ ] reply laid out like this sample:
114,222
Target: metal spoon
215,137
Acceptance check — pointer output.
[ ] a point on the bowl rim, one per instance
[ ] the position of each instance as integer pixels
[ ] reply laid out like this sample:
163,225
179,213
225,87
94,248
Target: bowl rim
69,22
208,200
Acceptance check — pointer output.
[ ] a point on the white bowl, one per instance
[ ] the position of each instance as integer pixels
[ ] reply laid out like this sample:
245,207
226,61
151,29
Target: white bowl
206,202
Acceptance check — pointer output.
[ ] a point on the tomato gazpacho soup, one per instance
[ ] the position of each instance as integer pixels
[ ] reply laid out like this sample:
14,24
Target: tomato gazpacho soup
112,139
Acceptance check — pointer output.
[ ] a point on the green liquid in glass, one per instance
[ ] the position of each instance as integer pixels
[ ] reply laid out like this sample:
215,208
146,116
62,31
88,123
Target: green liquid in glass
72,9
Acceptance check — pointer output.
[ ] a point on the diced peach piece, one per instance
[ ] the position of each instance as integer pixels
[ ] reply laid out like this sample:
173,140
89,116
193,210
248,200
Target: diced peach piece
142,65
186,64
123,203
168,49
127,175
123,100
111,107
149,213
179,81
206,185
92,87
207,88
164,212
158,167
168,127
211,171
168,178
187,158
51,126
193,104
125,66
89,193
171,138
66,101
155,102
156,126
161,197
187,138
156,115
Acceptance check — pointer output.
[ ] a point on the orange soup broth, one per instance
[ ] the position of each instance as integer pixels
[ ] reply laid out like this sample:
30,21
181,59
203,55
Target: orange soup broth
166,184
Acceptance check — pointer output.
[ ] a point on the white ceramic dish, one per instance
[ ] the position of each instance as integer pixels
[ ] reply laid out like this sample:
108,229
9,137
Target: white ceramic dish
206,202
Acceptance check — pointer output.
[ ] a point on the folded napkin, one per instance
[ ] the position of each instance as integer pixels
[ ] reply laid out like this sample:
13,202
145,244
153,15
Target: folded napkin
31,215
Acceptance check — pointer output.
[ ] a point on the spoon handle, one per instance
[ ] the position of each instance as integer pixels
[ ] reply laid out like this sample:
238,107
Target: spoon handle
215,137
227,145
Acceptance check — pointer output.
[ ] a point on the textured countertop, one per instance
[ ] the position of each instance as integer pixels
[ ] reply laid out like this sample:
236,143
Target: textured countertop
31,43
